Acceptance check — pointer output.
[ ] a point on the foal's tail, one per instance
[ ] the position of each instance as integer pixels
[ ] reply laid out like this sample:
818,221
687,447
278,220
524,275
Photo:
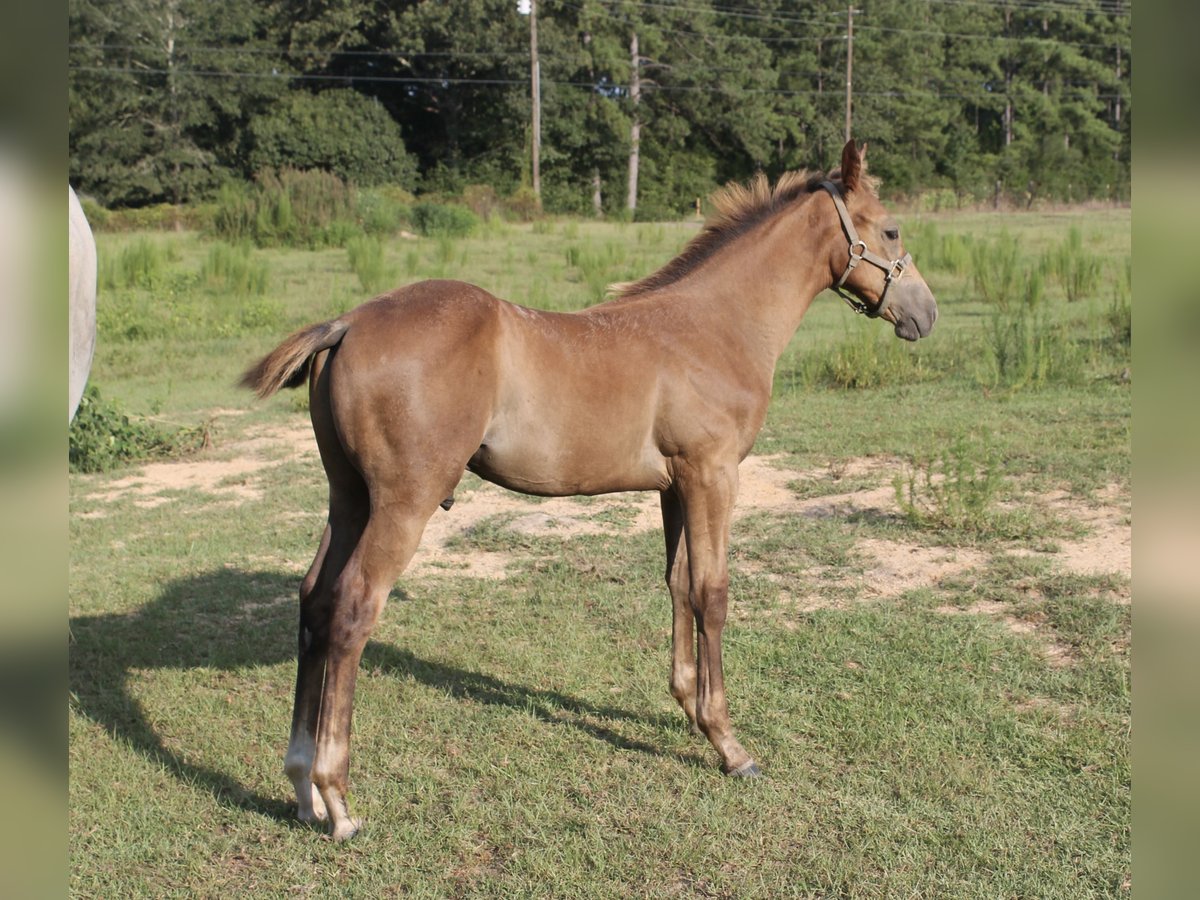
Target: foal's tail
287,364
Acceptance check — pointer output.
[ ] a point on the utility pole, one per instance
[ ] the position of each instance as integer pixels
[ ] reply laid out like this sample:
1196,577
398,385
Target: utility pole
849,67
635,128
535,80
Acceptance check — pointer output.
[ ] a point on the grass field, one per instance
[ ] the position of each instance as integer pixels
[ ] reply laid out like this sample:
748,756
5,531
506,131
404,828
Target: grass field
928,651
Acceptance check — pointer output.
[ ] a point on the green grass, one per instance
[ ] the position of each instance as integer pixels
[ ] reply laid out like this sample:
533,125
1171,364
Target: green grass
515,737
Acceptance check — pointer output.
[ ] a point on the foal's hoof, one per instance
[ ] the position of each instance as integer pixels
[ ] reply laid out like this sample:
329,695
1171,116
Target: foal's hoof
745,770
346,829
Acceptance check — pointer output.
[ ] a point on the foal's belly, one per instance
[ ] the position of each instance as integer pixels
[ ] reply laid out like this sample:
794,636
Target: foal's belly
569,457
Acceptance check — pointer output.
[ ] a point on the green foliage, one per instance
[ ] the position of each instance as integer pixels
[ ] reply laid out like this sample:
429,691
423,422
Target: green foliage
1026,348
384,210
366,256
1120,310
937,252
342,132
141,264
867,358
443,220
955,490
102,437
972,101
996,270
288,208
1076,268
234,269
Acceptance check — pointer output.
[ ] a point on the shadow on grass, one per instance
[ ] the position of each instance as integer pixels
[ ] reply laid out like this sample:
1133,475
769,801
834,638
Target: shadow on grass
230,619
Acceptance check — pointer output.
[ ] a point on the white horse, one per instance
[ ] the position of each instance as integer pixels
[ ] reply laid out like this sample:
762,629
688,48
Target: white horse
82,337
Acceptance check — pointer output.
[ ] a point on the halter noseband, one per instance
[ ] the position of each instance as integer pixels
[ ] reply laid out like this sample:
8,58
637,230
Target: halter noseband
893,269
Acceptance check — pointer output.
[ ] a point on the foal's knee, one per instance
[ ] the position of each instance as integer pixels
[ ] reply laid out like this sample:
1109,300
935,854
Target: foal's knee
710,600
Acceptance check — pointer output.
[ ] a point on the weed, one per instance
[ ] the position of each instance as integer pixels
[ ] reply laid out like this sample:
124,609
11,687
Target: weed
412,261
1120,311
995,267
445,250
102,437
288,208
1077,269
367,261
867,358
140,264
955,491
1024,348
233,270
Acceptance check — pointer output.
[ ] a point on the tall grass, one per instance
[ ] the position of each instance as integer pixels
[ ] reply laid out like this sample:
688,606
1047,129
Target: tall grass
866,358
438,220
1120,311
366,257
934,251
1076,268
1026,348
996,270
289,208
234,269
143,263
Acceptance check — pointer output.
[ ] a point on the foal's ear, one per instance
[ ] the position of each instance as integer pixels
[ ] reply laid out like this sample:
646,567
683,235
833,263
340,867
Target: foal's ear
854,164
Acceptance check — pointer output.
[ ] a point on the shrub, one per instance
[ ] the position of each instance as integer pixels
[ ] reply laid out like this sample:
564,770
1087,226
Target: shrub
523,205
481,199
96,214
439,220
338,131
383,212
102,437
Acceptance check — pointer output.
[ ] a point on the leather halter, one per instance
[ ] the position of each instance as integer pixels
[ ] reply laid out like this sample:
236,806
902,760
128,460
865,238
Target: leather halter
893,269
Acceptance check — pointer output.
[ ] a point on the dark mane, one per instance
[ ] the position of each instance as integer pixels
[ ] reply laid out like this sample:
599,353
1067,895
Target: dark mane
737,209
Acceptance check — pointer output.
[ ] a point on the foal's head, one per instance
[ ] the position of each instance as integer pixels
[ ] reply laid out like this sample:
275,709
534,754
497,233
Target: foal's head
883,280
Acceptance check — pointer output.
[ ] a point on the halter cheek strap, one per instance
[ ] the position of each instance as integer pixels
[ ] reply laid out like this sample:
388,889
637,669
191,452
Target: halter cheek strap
893,269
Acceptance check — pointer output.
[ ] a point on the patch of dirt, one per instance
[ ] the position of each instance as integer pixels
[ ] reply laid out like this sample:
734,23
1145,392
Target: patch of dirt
230,479
1108,545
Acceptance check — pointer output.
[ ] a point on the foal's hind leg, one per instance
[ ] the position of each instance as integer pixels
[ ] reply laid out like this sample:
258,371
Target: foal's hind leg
310,675
385,548
683,640
341,535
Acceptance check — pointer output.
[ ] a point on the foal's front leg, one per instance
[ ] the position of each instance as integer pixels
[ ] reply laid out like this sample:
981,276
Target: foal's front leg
708,495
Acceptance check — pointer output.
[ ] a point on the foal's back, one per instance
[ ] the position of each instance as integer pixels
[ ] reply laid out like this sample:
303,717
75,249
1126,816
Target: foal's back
541,402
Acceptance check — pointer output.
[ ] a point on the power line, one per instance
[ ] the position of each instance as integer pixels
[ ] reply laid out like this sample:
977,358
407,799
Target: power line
508,82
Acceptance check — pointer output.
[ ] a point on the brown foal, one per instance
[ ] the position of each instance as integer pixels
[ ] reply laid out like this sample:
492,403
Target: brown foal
662,388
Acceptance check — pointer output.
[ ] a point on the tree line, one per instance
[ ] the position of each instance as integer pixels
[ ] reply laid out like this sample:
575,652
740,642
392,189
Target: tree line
645,104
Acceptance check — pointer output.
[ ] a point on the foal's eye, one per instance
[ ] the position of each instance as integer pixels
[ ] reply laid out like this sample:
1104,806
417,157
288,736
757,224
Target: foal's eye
892,234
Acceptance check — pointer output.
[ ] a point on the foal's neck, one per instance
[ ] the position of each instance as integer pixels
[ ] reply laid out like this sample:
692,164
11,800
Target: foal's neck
759,287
